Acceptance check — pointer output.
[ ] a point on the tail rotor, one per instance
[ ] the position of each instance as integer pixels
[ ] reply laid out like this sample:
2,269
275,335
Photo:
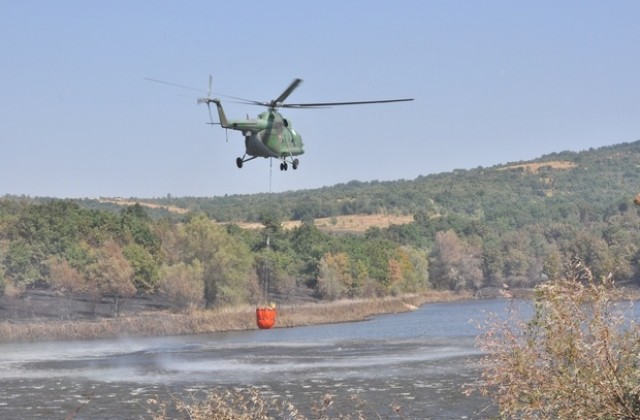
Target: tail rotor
207,100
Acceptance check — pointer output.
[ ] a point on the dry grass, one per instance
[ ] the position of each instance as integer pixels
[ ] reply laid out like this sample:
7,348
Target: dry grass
250,404
535,166
124,202
357,223
222,319
362,222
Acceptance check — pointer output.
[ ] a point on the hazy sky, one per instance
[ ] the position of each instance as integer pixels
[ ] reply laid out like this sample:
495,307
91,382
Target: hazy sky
493,82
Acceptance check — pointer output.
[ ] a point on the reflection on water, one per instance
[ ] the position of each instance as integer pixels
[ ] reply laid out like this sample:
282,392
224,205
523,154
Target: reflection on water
418,359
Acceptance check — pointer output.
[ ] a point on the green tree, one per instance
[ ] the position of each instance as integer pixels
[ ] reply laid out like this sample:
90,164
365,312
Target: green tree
409,270
228,264
310,245
334,278
137,223
22,262
375,252
594,251
145,267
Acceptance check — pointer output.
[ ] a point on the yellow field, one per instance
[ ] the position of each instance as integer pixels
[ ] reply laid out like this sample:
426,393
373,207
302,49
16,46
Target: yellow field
358,223
124,202
342,224
535,167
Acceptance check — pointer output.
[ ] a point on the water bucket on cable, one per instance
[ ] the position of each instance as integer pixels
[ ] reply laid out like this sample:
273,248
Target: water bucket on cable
266,317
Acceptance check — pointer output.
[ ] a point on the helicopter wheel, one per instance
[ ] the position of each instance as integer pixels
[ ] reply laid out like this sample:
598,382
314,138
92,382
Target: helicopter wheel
239,162
284,166
295,163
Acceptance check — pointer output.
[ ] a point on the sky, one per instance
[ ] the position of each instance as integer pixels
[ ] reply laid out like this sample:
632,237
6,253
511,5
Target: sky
494,82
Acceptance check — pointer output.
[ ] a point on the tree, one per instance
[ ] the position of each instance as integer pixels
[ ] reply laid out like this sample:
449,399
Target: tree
455,265
409,270
310,245
375,253
594,251
112,275
227,262
22,262
3,277
145,267
334,277
67,280
137,223
183,284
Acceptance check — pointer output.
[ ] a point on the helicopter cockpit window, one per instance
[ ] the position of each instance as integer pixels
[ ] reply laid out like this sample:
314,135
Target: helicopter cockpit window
286,122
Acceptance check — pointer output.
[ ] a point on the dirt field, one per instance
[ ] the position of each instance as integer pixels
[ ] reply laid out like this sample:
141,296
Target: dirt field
535,167
358,223
123,202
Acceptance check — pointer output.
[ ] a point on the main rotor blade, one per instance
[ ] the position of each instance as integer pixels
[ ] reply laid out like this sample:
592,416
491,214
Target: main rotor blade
287,92
328,104
173,84
249,101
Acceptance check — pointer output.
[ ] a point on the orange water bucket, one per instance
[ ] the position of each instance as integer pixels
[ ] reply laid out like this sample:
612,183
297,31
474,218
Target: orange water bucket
265,318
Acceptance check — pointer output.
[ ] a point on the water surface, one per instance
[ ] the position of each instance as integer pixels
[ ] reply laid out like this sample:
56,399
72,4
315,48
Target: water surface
418,360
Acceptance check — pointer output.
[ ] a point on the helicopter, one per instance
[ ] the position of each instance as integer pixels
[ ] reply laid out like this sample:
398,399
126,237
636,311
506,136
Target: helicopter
271,135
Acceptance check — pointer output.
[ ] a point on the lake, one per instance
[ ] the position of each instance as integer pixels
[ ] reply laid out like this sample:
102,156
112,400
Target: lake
417,360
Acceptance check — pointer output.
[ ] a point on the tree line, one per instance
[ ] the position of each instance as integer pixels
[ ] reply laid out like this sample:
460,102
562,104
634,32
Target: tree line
58,245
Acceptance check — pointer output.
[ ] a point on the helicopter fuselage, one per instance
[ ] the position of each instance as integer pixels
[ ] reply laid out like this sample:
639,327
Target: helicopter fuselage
269,136
273,137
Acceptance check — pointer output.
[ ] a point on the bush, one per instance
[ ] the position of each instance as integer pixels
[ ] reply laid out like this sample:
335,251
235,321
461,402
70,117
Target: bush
576,358
224,405
250,404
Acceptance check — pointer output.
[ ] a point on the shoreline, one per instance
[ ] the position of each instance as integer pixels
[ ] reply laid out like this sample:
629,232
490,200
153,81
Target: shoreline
165,323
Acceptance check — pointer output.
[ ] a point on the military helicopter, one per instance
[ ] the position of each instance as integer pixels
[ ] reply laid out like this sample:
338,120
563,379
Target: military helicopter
271,135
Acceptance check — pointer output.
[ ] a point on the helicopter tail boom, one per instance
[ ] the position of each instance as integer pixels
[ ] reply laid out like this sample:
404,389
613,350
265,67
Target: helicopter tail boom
221,115
248,126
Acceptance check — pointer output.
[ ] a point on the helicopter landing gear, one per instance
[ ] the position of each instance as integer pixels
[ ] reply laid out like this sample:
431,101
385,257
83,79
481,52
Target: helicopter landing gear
242,160
285,165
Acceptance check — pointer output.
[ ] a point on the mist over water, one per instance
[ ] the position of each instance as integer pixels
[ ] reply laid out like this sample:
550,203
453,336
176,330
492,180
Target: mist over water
418,360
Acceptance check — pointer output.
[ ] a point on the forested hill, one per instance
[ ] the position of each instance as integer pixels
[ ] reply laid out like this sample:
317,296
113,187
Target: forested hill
514,224
590,183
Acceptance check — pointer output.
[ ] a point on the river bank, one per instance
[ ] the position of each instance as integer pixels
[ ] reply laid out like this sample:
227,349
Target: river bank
166,323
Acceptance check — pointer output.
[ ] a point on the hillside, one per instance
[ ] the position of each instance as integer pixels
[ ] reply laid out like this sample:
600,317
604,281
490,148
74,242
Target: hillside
598,177
515,224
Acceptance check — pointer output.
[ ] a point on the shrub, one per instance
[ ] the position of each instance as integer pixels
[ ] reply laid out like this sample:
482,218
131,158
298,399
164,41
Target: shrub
250,404
576,358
